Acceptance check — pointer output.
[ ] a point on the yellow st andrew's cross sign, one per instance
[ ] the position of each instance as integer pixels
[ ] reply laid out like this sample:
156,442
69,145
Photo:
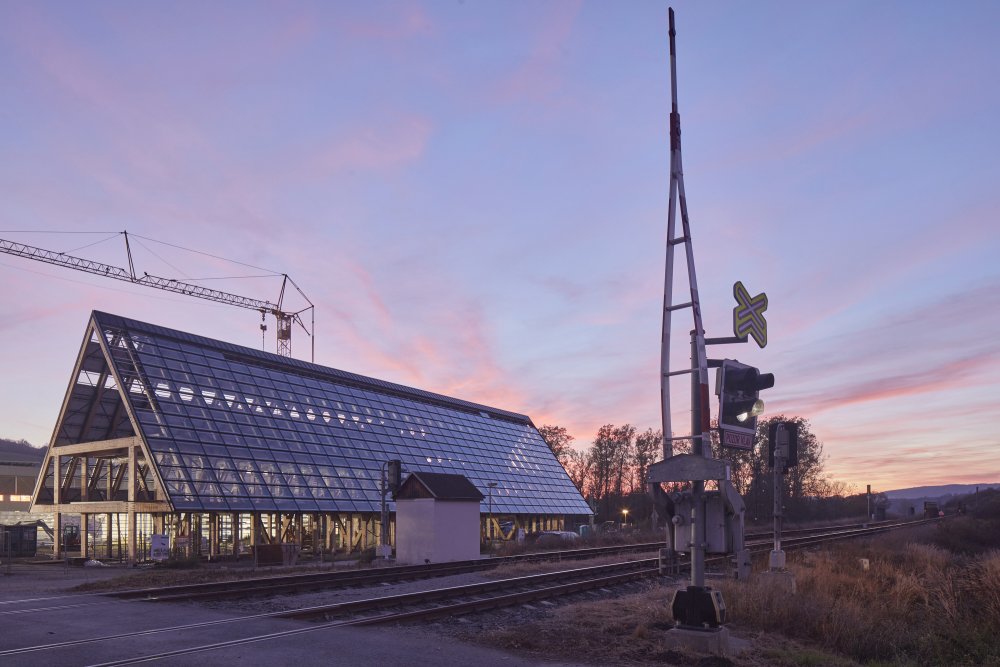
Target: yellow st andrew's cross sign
748,315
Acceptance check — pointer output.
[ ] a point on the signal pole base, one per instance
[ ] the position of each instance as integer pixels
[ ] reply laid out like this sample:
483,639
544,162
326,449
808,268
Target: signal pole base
743,567
776,561
783,581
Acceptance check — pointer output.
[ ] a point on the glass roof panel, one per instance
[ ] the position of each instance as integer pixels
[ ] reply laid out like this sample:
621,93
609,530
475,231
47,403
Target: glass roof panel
276,428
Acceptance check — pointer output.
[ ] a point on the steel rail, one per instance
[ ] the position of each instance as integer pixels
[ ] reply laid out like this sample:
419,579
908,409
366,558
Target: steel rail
260,586
506,599
466,606
478,588
588,578
287,583
603,573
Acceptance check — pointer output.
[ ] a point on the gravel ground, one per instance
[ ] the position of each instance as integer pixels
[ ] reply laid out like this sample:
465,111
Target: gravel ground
339,595
48,578
482,628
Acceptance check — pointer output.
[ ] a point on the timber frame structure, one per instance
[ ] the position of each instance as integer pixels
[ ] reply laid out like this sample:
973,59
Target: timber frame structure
223,448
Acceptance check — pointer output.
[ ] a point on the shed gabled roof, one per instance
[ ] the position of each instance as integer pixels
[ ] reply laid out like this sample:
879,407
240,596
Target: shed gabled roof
439,486
230,428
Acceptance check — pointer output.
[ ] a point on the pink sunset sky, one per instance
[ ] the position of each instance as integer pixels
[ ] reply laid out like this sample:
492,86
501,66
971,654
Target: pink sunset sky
474,195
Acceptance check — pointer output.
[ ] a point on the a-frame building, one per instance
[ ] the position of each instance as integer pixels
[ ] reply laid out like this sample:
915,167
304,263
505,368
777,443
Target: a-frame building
222,447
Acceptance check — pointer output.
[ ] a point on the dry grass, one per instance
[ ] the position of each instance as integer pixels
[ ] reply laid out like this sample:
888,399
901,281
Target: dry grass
631,630
919,604
623,630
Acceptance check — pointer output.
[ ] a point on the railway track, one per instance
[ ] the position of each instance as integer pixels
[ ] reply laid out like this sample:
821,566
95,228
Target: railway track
296,583
436,603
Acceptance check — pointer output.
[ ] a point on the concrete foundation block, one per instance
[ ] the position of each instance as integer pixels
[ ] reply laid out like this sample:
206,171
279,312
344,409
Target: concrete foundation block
781,580
714,641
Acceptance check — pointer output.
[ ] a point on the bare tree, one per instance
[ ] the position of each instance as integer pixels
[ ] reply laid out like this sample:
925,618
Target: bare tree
647,451
577,466
623,456
559,441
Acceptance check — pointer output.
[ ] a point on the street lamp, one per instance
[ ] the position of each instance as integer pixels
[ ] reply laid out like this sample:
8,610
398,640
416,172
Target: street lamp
489,521
625,516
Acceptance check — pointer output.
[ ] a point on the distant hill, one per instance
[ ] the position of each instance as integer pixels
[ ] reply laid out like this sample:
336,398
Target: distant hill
20,450
920,492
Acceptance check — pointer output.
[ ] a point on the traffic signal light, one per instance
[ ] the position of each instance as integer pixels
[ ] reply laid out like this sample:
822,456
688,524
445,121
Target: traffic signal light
783,436
738,388
394,474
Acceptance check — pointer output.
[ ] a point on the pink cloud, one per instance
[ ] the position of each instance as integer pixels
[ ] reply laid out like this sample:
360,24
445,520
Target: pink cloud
373,147
406,20
952,374
910,255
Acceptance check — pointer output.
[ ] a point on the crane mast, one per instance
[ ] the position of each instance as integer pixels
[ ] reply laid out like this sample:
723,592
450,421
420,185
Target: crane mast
283,318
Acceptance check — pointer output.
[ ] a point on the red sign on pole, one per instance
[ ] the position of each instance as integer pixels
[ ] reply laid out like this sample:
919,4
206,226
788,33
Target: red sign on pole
736,439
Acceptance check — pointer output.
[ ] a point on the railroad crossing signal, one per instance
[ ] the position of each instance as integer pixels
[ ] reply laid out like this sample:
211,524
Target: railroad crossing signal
748,315
738,388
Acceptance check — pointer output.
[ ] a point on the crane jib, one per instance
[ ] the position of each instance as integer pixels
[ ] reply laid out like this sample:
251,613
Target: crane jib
172,285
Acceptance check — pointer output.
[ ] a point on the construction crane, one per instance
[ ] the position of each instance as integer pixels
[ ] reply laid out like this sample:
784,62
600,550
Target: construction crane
283,318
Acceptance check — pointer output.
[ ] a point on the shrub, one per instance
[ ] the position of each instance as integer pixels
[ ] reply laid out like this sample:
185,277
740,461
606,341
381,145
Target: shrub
916,604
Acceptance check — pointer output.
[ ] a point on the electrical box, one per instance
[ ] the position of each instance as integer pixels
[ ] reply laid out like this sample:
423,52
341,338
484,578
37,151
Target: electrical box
698,607
718,537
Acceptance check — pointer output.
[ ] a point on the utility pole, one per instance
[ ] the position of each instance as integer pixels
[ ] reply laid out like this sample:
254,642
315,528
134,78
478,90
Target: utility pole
783,453
698,446
776,561
699,608
391,474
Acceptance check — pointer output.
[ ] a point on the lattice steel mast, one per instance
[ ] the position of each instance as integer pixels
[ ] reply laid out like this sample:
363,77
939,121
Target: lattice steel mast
699,363
283,318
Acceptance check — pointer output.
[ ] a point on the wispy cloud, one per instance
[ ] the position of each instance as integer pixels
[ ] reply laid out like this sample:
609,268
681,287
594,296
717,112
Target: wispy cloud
393,142
538,77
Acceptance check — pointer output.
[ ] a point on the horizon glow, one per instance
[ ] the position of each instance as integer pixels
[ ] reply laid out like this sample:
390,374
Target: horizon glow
474,195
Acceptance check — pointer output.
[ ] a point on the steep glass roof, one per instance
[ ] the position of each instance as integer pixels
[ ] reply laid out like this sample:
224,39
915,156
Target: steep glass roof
237,429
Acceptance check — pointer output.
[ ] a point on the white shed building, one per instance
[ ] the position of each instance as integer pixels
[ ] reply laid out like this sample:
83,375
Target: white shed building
437,519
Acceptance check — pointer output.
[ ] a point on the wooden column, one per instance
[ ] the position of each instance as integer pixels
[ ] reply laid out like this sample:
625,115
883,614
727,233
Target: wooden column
213,535
57,534
56,501
85,534
132,535
235,531
84,479
132,481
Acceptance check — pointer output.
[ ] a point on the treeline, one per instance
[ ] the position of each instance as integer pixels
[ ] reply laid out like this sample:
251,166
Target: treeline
8,446
612,473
